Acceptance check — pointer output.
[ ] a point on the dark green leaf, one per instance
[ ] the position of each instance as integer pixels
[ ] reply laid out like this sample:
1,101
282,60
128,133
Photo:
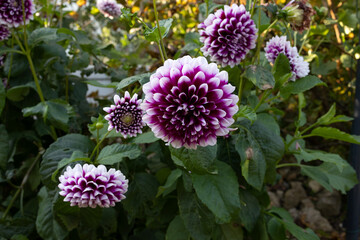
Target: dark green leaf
116,152
249,209
177,230
247,112
326,118
281,70
170,184
153,33
260,77
130,80
147,137
4,147
18,93
42,35
334,133
99,84
10,228
75,157
201,160
301,85
276,229
232,231
223,189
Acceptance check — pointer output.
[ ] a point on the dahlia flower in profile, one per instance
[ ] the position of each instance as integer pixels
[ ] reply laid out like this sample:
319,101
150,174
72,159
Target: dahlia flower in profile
188,102
277,45
4,32
298,14
126,115
110,8
228,35
11,12
90,186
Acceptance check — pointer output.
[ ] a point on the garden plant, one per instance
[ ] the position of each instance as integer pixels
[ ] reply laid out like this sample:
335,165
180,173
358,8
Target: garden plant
208,101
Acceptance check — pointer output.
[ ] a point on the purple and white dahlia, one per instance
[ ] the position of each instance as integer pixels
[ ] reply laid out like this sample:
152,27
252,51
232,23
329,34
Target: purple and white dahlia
90,186
11,12
228,35
188,102
4,32
126,115
277,45
110,8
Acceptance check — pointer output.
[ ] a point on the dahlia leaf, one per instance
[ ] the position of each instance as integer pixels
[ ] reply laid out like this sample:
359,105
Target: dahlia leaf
260,77
301,85
268,121
197,219
4,147
232,231
170,184
223,189
177,226
334,133
18,93
116,152
276,229
42,35
201,160
246,112
152,34
249,209
17,226
281,70
147,137
141,78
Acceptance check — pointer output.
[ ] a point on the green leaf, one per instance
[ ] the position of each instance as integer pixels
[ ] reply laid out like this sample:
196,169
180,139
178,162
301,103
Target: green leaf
223,189
9,229
281,70
18,93
327,174
62,148
269,122
130,80
326,118
147,137
153,33
177,230
299,233
310,155
334,133
276,229
247,112
300,85
249,209
46,225
260,77
99,84
5,50
2,97
4,147
196,219
42,35
201,160
170,184
116,152
75,157
232,231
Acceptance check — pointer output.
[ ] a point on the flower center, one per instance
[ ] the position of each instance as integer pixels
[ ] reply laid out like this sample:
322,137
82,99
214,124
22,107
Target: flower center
127,119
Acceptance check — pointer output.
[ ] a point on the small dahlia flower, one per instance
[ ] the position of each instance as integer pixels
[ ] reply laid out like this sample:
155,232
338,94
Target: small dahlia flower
11,12
298,14
277,45
90,186
110,8
4,32
228,35
126,115
188,102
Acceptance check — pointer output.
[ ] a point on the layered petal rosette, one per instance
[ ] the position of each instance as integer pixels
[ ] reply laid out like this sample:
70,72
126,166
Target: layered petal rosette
11,12
228,35
277,45
4,32
126,115
188,102
90,186
110,8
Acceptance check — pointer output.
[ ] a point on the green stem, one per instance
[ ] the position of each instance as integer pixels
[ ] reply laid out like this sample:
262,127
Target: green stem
98,145
161,53
305,38
26,177
11,58
162,47
241,87
253,7
288,165
263,98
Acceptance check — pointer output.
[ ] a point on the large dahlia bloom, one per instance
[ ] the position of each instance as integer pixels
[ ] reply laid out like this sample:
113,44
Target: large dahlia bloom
126,115
110,8
4,32
228,35
277,45
90,186
188,102
11,12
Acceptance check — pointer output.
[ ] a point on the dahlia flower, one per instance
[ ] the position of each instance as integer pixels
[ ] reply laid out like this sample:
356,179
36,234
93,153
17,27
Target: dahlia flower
4,32
110,8
126,115
188,102
278,45
298,14
228,35
90,186
11,12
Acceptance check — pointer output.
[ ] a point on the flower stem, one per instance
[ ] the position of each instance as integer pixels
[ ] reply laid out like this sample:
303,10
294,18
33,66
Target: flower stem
241,87
26,177
262,99
98,145
161,42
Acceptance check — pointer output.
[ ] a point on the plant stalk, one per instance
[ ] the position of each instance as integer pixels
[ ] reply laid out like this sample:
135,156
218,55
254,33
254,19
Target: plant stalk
161,42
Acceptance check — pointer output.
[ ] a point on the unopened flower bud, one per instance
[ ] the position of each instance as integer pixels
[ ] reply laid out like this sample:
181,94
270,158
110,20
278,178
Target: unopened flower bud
99,125
298,14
